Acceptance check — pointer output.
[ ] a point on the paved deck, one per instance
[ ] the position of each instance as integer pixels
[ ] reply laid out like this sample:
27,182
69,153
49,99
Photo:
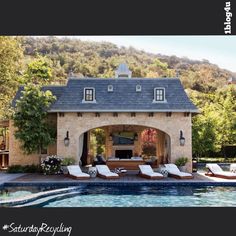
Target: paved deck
129,178
6,177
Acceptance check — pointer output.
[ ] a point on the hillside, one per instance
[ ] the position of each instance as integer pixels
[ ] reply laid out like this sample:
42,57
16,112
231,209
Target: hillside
93,59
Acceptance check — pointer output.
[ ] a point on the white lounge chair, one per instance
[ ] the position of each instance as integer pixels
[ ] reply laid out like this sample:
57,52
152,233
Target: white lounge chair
232,168
215,170
104,172
76,173
173,171
146,171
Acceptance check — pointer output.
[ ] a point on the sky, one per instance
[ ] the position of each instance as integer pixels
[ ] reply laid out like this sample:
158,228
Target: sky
220,50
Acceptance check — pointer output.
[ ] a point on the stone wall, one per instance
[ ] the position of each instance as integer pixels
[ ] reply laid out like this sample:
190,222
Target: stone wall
78,125
170,125
16,154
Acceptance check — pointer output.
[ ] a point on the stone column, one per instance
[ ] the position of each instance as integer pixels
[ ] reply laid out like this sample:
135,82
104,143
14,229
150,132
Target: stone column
182,151
64,124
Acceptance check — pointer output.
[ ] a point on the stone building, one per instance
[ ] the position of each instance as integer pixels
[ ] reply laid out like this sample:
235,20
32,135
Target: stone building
132,112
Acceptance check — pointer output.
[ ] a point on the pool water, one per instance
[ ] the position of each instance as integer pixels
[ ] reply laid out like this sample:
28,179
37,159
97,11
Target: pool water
140,196
131,196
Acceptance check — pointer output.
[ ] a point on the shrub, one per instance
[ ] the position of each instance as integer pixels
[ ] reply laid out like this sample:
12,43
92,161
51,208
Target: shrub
68,161
15,169
24,169
51,165
181,161
32,169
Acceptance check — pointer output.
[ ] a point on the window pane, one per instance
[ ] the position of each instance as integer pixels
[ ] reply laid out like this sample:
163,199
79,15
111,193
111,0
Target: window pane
88,94
159,94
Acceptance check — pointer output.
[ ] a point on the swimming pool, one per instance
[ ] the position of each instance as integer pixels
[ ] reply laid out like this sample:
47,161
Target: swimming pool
144,196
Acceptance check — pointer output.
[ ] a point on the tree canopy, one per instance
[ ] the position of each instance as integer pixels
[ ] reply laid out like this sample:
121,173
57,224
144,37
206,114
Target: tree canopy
11,54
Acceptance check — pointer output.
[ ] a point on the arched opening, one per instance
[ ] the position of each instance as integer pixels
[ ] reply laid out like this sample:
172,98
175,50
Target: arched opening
124,142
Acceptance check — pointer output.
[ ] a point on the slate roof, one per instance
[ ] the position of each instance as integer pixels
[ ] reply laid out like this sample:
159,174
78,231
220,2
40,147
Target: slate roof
124,97
57,90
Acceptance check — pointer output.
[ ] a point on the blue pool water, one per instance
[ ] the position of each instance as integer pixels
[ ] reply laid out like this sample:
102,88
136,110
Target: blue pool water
140,196
133,196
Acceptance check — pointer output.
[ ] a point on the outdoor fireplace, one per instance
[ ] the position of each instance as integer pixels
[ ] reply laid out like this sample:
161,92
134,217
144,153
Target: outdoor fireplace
123,154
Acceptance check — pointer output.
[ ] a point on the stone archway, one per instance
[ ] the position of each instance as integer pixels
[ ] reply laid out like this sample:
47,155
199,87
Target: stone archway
169,125
128,141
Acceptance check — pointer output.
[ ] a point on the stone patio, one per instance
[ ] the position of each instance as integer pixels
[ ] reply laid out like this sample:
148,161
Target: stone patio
130,177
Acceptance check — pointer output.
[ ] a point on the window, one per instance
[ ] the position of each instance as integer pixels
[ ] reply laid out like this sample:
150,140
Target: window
89,95
138,88
159,95
110,88
168,114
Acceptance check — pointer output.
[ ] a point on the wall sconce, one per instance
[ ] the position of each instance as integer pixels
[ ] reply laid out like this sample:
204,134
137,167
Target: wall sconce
67,139
136,137
110,137
181,138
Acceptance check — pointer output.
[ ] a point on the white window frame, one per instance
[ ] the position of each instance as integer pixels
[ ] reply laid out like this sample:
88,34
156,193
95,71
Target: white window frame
155,95
94,95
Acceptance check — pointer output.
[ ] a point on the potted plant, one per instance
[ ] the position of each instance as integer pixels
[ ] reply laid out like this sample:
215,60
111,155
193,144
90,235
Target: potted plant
67,161
181,162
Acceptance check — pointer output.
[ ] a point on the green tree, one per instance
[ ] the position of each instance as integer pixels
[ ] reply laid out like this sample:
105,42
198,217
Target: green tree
99,135
39,71
203,133
10,66
30,119
226,116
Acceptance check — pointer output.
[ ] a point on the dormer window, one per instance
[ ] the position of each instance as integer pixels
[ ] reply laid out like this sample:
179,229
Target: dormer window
110,88
138,88
89,95
159,95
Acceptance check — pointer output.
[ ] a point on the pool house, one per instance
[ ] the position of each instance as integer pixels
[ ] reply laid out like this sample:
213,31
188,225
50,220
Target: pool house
140,119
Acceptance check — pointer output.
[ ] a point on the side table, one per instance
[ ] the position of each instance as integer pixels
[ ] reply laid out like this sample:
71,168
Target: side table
92,171
163,171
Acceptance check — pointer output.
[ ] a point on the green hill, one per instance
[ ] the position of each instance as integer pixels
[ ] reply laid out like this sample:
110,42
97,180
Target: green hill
93,59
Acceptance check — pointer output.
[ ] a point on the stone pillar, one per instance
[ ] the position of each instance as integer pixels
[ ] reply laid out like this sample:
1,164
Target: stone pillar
160,145
138,143
64,124
182,151
108,142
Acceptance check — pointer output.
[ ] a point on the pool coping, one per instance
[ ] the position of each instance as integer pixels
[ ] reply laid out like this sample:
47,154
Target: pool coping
35,196
116,183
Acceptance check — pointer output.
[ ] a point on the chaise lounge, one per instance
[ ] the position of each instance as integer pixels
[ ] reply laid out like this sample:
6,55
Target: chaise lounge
76,173
173,171
105,173
147,172
214,170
